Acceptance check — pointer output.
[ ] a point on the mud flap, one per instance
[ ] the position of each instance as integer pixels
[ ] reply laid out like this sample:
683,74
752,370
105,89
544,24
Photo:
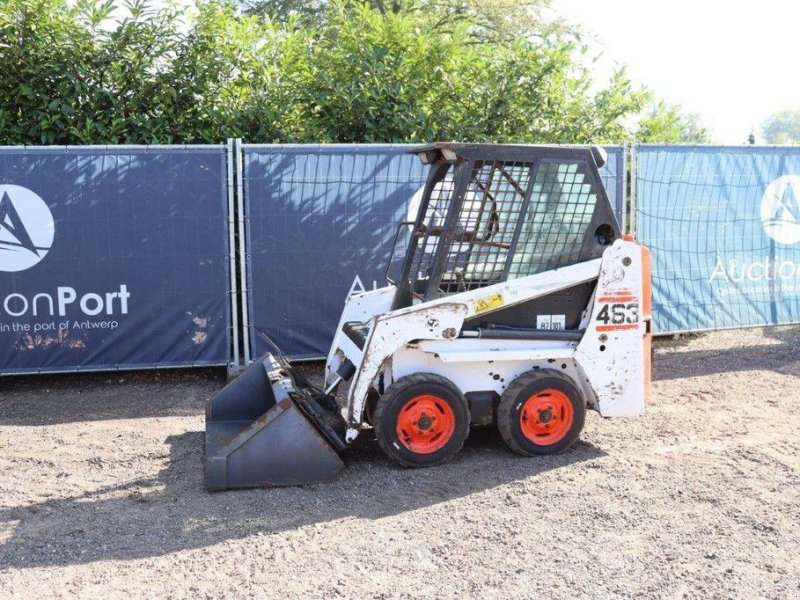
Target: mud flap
261,433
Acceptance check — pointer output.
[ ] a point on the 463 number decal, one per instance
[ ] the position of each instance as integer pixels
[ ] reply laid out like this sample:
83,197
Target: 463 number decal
620,315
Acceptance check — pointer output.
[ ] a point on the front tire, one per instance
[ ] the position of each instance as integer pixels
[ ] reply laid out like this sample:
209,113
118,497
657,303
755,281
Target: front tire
541,412
421,420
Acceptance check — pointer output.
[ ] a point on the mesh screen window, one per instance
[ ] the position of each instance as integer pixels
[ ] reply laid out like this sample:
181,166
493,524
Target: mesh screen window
559,212
489,215
440,200
511,222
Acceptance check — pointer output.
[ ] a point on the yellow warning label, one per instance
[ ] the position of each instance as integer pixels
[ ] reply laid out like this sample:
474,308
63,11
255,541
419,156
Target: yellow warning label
489,303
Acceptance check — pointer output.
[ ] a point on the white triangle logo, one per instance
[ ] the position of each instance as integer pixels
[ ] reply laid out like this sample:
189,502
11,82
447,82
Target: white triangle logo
780,210
26,228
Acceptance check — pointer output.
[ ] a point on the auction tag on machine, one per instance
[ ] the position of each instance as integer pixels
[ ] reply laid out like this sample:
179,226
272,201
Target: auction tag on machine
551,321
619,310
488,303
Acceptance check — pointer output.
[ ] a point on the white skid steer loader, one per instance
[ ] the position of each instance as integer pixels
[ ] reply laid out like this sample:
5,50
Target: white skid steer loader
519,303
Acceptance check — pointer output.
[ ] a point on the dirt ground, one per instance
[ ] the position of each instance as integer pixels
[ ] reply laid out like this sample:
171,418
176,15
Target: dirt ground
101,494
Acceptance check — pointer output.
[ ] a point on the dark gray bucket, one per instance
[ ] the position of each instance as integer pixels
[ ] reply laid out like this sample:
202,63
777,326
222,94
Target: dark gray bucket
257,436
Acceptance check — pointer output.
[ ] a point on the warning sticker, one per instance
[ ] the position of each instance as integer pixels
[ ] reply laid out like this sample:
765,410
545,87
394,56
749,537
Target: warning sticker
489,303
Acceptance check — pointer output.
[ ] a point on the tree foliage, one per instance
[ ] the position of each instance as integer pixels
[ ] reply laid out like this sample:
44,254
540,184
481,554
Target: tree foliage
782,128
100,71
665,122
487,20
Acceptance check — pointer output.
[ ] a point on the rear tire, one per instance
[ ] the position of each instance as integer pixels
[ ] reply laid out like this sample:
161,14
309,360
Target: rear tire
541,412
421,420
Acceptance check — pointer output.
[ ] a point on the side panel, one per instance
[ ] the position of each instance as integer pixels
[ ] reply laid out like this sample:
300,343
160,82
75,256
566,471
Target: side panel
615,350
485,374
560,310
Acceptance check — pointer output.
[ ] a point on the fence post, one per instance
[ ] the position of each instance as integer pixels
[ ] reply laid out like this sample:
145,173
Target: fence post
622,188
242,251
632,220
234,295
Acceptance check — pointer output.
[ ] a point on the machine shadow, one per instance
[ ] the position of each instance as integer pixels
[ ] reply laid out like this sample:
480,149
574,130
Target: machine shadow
173,511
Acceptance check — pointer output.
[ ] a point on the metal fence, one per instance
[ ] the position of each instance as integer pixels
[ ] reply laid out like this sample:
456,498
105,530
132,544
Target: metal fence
146,257
723,227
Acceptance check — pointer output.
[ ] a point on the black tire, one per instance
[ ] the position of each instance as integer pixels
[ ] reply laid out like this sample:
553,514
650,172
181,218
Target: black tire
399,398
566,414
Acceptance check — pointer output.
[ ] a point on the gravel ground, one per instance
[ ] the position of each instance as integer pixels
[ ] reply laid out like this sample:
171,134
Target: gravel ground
101,494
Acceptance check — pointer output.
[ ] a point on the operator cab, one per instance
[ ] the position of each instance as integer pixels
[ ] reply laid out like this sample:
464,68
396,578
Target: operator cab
490,213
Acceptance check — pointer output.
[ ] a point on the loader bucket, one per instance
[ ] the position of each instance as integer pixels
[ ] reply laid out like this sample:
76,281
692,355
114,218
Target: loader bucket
264,429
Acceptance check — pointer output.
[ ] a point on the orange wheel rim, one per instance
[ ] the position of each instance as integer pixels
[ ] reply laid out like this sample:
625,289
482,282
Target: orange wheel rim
546,417
425,424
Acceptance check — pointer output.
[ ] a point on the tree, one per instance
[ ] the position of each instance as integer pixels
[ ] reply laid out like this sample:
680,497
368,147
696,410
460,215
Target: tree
667,123
390,77
782,127
308,12
486,19
92,71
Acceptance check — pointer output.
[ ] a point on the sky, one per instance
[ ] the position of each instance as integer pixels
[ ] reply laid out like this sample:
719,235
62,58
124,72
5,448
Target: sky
734,63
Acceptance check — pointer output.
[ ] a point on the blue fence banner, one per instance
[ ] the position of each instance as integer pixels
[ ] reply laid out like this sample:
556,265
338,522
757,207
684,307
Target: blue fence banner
320,222
723,227
113,258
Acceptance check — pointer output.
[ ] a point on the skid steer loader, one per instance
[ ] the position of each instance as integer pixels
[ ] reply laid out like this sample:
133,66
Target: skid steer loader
519,303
